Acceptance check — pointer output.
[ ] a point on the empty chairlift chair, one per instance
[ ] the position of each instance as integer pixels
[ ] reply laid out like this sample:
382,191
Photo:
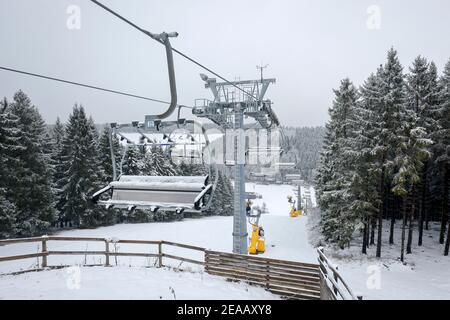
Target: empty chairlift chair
146,192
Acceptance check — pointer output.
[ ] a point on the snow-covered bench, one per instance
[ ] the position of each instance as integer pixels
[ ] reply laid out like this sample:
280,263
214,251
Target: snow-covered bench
148,192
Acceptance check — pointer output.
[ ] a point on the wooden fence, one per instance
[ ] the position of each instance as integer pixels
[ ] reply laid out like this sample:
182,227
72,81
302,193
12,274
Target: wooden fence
294,280
289,279
107,252
332,285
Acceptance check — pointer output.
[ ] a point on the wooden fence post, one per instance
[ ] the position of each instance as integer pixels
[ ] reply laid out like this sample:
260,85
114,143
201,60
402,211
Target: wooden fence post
322,274
323,288
267,274
106,253
336,279
206,265
160,254
44,252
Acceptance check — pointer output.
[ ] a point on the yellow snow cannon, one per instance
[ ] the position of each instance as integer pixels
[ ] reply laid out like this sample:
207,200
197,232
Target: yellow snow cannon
257,241
295,212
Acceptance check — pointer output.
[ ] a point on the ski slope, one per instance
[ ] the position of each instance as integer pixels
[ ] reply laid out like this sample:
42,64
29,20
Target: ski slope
286,238
123,283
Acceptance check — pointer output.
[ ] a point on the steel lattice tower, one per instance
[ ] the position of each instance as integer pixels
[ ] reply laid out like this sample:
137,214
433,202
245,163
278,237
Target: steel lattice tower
232,101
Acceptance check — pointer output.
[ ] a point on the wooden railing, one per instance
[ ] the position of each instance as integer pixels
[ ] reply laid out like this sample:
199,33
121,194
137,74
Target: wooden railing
45,253
332,285
294,280
290,279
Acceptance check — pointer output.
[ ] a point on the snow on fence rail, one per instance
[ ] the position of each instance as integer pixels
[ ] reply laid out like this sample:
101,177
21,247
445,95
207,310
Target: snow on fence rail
45,253
290,279
332,285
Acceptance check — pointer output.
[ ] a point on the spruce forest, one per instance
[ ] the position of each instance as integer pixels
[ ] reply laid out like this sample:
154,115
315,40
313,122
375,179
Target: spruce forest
386,158
49,175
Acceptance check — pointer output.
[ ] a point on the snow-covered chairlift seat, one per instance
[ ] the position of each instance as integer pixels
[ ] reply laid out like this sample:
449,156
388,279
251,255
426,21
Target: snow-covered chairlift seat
177,193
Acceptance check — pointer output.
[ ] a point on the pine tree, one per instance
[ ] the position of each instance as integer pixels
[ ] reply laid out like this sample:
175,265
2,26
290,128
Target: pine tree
133,162
218,199
421,97
442,153
388,156
227,204
222,202
58,133
83,173
32,191
366,171
162,165
389,124
411,153
105,154
8,222
411,150
9,137
339,222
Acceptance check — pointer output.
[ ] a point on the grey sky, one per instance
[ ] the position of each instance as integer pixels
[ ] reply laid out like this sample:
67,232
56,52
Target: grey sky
310,46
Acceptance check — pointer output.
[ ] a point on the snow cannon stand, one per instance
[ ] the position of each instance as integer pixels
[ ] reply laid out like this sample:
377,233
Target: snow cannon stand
257,241
295,212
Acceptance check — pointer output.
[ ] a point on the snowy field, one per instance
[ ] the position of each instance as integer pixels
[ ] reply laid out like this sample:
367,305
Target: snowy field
425,276
286,238
122,283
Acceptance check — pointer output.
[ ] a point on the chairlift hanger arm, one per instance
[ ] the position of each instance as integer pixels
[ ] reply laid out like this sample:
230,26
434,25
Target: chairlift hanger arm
162,38
156,38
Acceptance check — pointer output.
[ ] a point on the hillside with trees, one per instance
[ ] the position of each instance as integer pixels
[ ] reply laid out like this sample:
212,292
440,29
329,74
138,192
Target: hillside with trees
302,146
386,158
49,173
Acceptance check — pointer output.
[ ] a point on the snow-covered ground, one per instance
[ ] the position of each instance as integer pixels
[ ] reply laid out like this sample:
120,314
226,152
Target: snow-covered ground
425,274
283,236
286,238
125,283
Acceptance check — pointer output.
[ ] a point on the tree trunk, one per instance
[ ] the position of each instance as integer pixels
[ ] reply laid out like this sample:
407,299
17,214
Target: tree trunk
380,213
367,233
444,217
364,243
421,224
422,205
402,254
391,232
446,200
372,231
410,231
447,243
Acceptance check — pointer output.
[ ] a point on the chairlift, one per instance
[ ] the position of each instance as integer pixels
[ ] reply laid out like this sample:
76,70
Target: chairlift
285,165
274,151
175,193
252,195
293,177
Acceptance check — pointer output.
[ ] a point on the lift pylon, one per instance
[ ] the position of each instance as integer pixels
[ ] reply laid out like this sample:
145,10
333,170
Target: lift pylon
232,102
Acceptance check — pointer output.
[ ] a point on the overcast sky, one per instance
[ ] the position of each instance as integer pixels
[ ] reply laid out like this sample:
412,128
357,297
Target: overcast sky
309,46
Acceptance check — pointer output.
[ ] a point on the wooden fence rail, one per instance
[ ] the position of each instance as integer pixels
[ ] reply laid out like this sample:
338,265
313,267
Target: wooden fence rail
45,253
332,285
290,279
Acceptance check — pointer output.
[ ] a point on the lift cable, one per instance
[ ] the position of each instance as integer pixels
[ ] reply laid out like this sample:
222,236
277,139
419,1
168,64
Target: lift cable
82,85
151,35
